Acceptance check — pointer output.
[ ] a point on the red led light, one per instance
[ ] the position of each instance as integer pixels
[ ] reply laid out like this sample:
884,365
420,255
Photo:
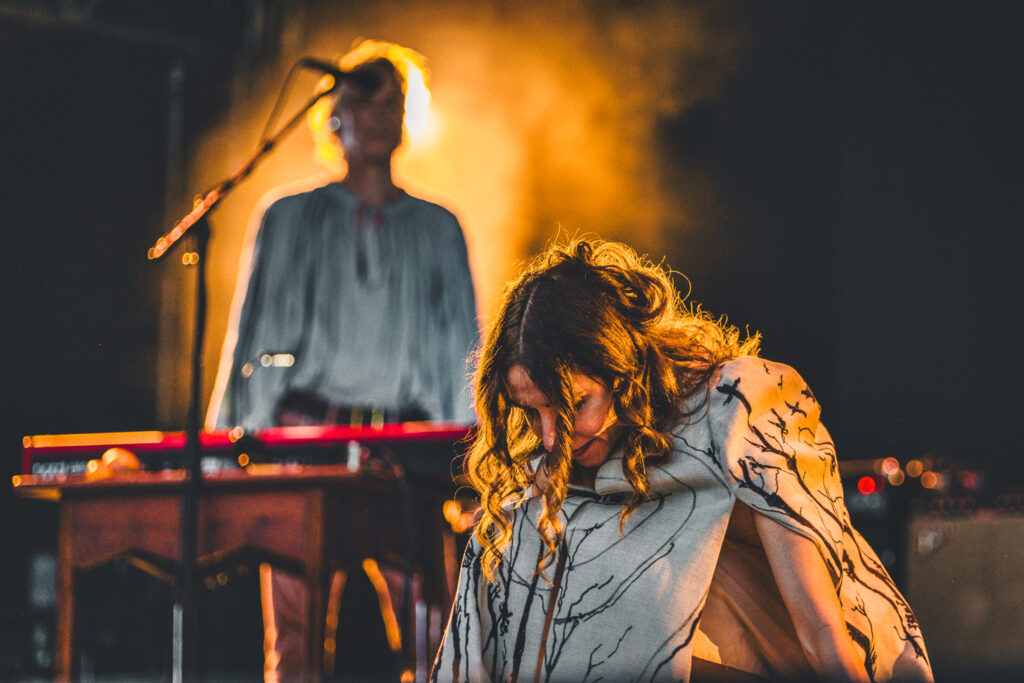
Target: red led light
866,485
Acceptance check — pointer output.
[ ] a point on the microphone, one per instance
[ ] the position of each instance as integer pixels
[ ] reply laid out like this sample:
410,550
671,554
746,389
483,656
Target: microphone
365,80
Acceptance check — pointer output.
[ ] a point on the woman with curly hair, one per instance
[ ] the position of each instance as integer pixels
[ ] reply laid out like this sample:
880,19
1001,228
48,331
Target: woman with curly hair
651,492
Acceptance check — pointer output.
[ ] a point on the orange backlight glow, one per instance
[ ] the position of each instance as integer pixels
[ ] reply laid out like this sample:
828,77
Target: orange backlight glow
101,439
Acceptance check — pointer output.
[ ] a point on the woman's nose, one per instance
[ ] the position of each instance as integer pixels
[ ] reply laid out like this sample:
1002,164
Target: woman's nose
546,429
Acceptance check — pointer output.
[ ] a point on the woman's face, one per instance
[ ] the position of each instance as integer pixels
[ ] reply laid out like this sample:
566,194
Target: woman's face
596,430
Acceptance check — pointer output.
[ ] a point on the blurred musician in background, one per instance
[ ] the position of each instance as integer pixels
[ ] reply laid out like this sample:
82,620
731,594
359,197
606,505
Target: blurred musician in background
356,304
355,307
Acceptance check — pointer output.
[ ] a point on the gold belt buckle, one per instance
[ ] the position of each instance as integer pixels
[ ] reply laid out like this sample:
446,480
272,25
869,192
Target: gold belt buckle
358,417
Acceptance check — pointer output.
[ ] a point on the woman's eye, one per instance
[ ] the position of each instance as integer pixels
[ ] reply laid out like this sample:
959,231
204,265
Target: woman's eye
579,403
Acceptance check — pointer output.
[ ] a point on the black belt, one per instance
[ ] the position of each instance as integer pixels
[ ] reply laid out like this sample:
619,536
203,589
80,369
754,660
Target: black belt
306,408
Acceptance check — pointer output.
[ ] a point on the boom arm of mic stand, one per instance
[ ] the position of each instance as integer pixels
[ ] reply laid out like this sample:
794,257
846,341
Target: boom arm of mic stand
221,189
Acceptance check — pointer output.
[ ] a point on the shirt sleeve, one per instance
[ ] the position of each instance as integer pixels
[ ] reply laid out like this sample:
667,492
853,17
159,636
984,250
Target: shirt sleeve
271,320
781,462
457,329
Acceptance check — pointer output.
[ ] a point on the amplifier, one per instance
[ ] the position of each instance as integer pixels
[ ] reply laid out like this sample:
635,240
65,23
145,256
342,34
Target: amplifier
965,581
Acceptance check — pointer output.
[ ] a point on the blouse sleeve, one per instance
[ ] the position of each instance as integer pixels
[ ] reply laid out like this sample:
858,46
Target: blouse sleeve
270,320
781,462
457,327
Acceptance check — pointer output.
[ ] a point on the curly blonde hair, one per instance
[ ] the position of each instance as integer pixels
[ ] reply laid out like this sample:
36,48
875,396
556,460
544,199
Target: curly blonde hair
600,310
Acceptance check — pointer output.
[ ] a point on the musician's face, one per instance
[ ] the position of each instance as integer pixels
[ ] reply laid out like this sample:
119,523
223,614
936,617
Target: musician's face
370,128
596,429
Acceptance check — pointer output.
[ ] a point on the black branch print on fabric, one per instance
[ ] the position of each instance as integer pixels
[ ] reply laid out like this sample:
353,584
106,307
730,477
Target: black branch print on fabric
761,478
580,535
701,456
870,656
591,664
795,408
459,622
609,586
732,391
627,605
520,644
772,445
498,594
686,641
864,642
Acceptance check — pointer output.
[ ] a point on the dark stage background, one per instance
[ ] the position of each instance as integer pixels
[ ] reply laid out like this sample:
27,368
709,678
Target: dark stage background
849,189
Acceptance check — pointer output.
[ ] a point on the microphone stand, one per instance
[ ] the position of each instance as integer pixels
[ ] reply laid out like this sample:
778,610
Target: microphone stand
184,645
